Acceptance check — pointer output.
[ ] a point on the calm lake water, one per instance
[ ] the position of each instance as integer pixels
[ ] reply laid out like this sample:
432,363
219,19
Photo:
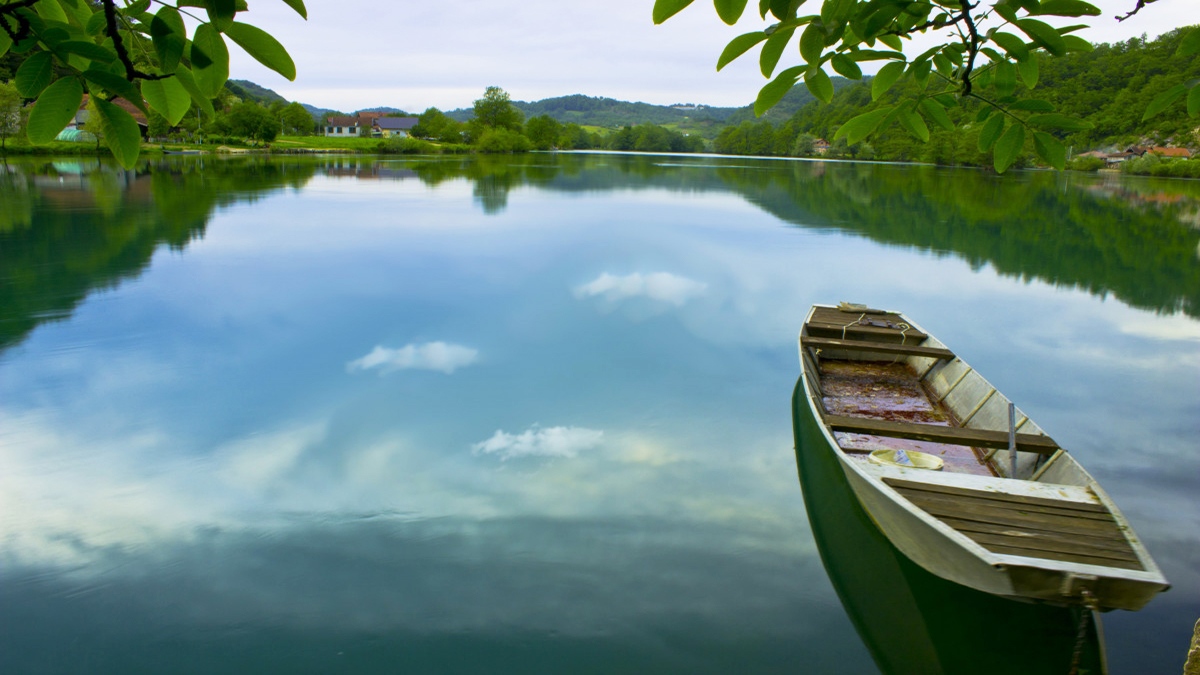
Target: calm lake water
531,414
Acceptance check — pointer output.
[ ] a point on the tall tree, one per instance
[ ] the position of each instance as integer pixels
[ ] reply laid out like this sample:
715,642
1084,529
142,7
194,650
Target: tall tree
989,53
10,112
69,47
543,131
296,121
496,111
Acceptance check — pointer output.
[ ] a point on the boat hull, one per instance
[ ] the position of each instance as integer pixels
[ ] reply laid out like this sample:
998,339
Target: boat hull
958,554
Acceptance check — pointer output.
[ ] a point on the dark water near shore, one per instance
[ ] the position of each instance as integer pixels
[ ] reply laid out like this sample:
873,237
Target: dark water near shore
531,414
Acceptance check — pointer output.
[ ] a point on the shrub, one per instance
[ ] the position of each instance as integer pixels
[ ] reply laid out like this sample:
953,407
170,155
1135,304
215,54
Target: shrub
501,141
407,146
1086,164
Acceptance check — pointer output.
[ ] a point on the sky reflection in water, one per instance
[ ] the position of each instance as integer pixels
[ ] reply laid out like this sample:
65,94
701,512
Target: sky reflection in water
528,414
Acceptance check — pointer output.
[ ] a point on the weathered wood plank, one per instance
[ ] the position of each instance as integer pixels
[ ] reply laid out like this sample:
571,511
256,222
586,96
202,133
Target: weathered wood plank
1024,500
1099,540
978,438
1044,542
876,347
1017,519
1065,557
823,329
1002,506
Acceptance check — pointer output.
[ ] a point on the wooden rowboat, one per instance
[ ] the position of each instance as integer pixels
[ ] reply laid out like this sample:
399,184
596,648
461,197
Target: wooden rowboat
1002,509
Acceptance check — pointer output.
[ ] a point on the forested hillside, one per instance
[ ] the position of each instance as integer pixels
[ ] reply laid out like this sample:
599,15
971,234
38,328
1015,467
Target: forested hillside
610,113
1109,87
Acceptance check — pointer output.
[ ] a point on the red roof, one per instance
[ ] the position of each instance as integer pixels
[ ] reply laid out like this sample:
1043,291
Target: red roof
138,115
1172,152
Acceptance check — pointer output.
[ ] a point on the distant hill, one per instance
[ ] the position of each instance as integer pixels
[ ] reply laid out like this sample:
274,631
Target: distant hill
597,111
608,112
247,90
383,109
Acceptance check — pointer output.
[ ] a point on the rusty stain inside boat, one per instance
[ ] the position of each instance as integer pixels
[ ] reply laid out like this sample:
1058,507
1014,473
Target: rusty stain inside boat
892,391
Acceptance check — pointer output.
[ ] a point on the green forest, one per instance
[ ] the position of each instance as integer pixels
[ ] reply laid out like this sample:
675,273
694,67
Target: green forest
1108,87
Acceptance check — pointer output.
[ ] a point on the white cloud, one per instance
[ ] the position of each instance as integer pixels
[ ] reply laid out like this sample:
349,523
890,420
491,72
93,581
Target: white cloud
255,461
661,286
538,442
429,356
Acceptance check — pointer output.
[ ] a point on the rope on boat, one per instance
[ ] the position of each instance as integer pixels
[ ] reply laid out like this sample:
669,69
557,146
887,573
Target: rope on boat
1089,606
853,323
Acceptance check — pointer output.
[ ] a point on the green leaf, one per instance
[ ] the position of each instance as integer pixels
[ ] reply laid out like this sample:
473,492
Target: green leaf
137,7
857,128
775,90
50,10
1029,70
911,120
920,71
819,84
875,55
1159,104
1012,44
1075,43
738,46
1032,105
943,65
1050,149
990,132
121,131
1190,43
1058,121
298,5
1006,78
984,113
846,67
88,50
782,9
768,58
885,78
168,97
99,79
54,109
665,9
892,41
1044,34
5,42
184,75
169,36
221,13
210,60
1008,148
1006,10
812,43
96,25
730,10
1193,102
937,112
264,48
1067,8
35,74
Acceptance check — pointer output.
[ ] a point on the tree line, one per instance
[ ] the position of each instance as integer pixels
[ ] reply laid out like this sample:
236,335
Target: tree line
1107,89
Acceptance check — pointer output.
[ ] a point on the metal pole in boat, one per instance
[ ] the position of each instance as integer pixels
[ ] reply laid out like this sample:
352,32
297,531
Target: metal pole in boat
1012,440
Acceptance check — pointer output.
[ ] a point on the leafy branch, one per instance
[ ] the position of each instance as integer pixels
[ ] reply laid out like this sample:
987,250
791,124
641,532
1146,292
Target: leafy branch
1010,34
69,47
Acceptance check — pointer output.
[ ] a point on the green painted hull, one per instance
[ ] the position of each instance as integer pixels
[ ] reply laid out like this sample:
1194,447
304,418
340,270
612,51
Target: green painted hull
911,620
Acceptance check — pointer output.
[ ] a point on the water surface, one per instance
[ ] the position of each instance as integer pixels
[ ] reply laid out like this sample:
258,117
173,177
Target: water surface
530,414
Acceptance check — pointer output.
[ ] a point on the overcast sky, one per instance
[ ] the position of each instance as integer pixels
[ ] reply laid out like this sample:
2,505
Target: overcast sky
353,54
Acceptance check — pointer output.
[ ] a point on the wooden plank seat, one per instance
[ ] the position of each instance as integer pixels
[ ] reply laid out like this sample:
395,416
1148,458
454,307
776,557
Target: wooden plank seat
876,347
829,319
823,329
1026,526
976,438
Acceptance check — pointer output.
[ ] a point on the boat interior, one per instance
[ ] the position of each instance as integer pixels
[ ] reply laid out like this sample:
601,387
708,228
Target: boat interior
882,385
